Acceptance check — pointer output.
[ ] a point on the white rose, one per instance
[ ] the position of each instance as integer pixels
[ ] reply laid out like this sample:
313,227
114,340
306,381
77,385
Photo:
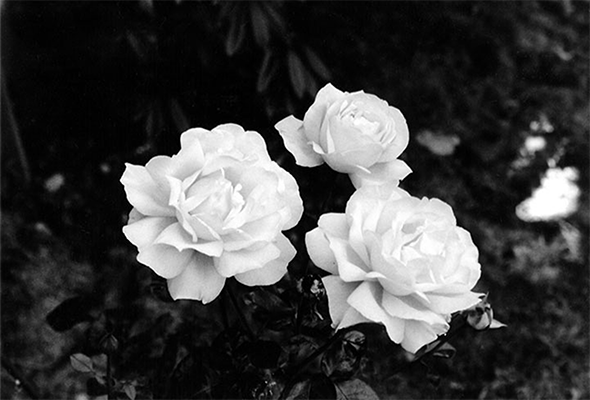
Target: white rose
214,210
396,260
354,133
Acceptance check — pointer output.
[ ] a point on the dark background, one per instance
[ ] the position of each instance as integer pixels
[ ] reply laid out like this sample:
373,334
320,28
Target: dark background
87,86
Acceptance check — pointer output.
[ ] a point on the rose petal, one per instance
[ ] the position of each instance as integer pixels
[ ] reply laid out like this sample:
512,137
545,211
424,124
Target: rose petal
291,130
143,232
174,235
165,260
199,281
334,225
366,299
417,334
348,161
274,270
319,251
144,193
337,292
350,266
402,136
449,304
352,317
231,263
314,117
408,307
381,173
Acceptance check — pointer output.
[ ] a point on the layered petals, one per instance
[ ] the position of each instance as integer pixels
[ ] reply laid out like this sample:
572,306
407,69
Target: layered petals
396,260
354,133
214,210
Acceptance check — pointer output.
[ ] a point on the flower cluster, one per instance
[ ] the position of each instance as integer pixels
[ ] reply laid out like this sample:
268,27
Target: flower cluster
217,209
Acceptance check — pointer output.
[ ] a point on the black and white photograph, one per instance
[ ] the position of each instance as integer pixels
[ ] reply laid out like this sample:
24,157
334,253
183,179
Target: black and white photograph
295,199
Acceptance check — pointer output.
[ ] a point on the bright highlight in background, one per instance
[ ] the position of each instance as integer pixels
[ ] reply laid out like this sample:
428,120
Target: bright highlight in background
555,199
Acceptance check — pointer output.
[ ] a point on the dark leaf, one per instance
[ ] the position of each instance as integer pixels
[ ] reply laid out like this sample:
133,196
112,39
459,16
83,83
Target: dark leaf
355,389
269,309
81,362
264,353
274,16
95,388
321,387
343,358
267,72
71,312
130,391
317,64
179,118
235,36
260,24
297,74
317,387
446,350
159,289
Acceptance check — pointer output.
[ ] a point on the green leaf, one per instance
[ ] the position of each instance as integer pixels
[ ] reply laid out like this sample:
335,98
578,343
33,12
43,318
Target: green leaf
81,362
355,389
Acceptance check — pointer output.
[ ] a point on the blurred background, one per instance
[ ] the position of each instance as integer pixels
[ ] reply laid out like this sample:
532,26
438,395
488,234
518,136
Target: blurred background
495,95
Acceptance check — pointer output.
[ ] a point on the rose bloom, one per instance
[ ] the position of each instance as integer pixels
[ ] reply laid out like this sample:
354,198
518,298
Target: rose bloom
395,260
214,210
354,133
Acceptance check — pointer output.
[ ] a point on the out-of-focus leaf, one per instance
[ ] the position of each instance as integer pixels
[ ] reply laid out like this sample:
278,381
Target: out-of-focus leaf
354,389
95,388
297,73
260,24
270,8
235,37
130,391
159,289
266,73
81,362
71,312
317,64
179,118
